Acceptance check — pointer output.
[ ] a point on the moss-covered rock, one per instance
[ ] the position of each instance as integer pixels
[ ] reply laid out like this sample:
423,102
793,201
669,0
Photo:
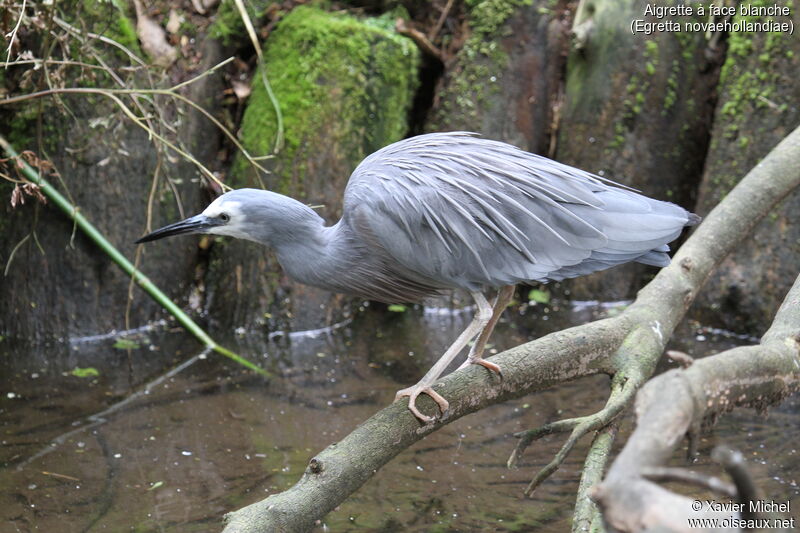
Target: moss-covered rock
759,104
345,86
504,81
637,110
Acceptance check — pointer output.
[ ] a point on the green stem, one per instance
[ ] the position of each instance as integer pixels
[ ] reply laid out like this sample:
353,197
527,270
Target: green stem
142,280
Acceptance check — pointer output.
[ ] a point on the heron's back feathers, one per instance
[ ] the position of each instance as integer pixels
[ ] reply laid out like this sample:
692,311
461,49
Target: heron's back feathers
456,210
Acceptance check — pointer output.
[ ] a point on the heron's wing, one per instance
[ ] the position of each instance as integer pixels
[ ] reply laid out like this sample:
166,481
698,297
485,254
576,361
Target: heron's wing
468,212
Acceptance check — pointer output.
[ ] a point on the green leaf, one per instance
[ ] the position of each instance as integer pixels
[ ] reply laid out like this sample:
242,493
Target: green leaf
125,344
88,372
540,297
397,308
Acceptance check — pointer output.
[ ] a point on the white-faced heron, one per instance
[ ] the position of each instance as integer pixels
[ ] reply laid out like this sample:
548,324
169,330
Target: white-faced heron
446,211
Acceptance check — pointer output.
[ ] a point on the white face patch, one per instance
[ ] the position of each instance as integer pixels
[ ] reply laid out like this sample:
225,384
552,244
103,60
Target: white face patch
236,221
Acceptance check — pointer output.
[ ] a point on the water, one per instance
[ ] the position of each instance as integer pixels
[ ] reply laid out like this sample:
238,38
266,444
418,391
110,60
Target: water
166,439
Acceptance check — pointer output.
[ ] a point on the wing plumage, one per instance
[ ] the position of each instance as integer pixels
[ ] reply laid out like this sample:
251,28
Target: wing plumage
469,212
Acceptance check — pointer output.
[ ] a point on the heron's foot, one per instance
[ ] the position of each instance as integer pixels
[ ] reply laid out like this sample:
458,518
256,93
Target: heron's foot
488,365
416,390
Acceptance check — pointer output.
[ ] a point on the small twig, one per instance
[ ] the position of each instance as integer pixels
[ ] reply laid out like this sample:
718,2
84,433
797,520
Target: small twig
60,476
78,33
419,38
555,123
251,32
202,74
166,92
439,23
13,252
683,359
735,465
148,223
622,393
681,475
590,423
139,121
14,31
769,102
530,435
67,62
587,512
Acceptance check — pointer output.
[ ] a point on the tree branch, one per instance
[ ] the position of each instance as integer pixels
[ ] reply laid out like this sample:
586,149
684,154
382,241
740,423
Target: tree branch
628,345
670,404
587,514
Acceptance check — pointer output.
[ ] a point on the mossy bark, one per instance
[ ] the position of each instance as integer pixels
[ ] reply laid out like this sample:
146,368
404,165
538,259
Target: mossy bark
638,110
345,87
504,82
59,285
758,106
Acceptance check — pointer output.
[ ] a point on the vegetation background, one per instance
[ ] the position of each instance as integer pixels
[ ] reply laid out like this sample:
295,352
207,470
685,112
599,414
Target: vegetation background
141,112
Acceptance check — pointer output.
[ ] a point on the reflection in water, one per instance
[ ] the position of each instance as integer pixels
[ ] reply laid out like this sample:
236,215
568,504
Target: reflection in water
163,439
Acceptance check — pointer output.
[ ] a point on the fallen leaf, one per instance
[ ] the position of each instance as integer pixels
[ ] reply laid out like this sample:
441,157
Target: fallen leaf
153,38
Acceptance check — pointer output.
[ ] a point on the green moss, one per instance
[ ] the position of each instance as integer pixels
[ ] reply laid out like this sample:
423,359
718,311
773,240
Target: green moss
651,56
687,44
487,16
333,75
481,61
228,26
651,50
20,128
111,19
749,85
672,87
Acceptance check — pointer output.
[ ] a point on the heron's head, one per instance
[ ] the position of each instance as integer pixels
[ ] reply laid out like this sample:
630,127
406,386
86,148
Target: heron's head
252,214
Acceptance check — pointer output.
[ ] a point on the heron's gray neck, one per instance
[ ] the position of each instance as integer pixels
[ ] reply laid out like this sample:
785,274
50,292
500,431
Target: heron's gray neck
338,259
313,253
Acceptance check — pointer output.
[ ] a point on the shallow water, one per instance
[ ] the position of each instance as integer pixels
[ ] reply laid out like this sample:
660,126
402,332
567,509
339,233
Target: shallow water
164,439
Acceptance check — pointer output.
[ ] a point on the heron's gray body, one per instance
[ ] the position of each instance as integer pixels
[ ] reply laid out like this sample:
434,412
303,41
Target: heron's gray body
452,210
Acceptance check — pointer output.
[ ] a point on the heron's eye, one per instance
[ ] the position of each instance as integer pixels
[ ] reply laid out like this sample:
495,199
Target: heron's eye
225,217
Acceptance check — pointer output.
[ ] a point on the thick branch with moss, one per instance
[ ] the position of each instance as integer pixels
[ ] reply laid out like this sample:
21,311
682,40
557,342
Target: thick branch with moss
627,346
673,404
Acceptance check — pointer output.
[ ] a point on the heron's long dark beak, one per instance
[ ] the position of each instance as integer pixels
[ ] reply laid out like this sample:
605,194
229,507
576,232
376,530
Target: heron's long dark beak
195,224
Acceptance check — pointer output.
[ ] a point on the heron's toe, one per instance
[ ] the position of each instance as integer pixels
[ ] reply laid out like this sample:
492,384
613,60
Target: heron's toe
416,390
487,365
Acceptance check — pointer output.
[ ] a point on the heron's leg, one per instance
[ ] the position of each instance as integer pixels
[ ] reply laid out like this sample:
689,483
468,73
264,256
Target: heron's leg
501,301
477,325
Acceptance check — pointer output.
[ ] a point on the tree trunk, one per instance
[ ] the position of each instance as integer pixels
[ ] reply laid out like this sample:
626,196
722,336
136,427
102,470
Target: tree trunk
758,105
638,110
